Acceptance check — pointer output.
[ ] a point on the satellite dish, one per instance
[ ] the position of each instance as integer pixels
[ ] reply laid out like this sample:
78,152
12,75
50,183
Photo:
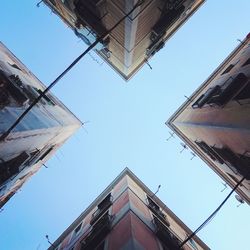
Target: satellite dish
239,199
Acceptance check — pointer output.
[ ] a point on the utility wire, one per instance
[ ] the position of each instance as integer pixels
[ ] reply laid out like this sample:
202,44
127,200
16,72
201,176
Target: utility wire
19,119
212,215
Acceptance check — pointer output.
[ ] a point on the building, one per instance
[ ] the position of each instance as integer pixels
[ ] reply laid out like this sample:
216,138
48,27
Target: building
215,121
128,47
127,215
36,138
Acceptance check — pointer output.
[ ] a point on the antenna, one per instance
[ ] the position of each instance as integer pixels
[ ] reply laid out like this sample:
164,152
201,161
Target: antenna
193,155
225,187
187,98
146,60
171,136
239,199
184,147
38,4
240,41
45,166
156,191
47,237
86,131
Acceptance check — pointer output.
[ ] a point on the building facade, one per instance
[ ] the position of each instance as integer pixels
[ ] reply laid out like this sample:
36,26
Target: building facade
215,121
36,138
127,215
129,46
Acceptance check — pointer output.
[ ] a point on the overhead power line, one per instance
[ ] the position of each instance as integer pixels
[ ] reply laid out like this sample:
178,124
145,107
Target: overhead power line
212,215
42,94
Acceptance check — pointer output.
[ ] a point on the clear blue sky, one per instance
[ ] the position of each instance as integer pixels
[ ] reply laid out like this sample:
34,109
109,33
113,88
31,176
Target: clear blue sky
126,125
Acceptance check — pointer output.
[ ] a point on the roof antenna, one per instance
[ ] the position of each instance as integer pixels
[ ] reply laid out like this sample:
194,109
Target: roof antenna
184,147
156,191
240,41
38,4
86,131
45,166
47,237
193,155
189,99
225,187
171,136
146,60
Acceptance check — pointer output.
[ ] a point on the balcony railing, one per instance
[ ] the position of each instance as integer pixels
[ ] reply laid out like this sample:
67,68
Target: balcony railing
166,235
101,209
99,231
12,167
157,211
220,95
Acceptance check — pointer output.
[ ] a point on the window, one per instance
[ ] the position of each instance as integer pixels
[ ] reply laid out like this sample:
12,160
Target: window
246,63
228,69
77,230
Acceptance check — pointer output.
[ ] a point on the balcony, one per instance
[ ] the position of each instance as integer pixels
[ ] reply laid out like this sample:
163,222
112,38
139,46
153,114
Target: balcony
209,151
238,163
98,233
166,235
12,167
12,86
220,95
88,14
101,208
157,211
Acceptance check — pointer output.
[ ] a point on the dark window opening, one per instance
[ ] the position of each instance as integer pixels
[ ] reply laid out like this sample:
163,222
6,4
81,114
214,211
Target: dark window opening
101,208
228,69
78,228
246,63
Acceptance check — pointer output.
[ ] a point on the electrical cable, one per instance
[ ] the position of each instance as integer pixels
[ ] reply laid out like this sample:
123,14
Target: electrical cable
42,94
212,215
